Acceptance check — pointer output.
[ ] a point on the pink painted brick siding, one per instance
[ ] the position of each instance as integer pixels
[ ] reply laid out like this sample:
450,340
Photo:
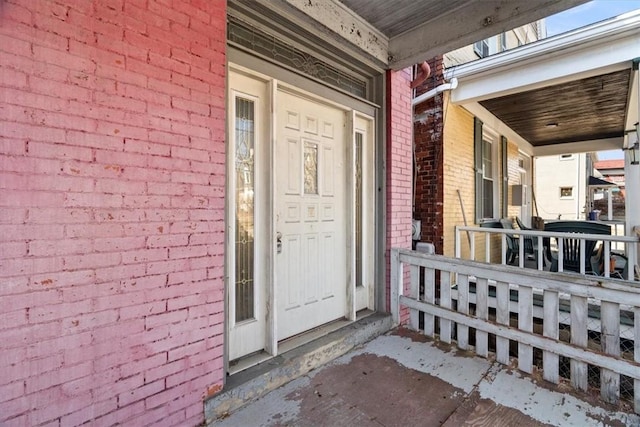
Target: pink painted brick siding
399,165
112,143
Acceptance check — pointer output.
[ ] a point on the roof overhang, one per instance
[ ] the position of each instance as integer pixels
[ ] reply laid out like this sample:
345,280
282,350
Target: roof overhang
394,34
600,183
576,92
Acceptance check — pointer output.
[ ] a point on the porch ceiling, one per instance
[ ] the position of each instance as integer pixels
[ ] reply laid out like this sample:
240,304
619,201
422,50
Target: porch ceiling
588,109
574,92
418,30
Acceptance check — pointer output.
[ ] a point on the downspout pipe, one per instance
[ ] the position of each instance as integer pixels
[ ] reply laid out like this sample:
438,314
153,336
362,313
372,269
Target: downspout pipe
433,92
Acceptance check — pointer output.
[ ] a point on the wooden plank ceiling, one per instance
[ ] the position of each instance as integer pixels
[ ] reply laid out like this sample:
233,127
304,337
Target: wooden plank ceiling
396,17
421,29
582,110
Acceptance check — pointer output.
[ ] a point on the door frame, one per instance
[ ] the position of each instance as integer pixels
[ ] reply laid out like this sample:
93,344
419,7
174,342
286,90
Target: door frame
355,109
526,210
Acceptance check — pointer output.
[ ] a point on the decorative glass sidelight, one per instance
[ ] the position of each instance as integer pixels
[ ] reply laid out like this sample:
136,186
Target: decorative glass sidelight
358,201
310,168
244,238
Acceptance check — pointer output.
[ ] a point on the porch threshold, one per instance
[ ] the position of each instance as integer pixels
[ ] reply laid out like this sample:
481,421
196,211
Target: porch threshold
250,384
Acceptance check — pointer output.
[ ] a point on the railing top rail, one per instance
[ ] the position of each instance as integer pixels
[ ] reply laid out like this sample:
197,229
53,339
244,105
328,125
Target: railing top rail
535,233
608,289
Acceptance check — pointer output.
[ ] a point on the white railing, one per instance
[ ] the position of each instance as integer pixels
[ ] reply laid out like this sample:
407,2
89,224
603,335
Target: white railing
549,315
625,245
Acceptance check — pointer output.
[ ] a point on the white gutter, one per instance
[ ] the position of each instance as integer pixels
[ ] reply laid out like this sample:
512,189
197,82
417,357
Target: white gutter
433,92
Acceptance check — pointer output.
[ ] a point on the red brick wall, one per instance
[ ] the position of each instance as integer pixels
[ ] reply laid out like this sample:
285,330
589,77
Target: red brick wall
111,210
399,169
428,135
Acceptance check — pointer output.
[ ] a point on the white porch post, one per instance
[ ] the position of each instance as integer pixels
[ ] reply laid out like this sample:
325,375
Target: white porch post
632,197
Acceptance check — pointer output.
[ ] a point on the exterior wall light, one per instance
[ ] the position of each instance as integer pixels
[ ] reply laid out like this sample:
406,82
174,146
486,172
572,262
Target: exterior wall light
635,154
634,150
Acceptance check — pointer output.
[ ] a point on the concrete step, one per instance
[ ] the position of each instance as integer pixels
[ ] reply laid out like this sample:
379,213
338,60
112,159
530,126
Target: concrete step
251,384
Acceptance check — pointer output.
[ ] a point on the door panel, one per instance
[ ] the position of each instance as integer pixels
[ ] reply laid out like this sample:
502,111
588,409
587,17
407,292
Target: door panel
311,214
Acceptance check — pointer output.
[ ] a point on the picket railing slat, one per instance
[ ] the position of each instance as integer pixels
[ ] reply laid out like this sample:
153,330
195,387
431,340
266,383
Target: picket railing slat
525,323
579,378
414,283
610,338
550,360
445,302
502,317
463,307
430,297
482,312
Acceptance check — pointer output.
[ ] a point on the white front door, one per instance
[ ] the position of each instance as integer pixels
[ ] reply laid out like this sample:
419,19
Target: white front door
312,213
248,192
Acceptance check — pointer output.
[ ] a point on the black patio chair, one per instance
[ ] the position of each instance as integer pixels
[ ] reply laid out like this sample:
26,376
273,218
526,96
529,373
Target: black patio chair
571,252
513,248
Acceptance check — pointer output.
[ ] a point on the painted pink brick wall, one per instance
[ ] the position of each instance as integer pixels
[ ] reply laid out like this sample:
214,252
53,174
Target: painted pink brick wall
112,129
399,166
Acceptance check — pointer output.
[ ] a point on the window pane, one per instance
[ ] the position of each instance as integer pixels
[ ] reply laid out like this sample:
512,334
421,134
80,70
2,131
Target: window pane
566,191
487,161
244,238
310,168
487,201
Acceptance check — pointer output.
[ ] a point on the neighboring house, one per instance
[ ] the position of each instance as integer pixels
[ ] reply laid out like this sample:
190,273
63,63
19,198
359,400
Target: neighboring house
564,95
451,144
185,183
612,171
611,200
562,185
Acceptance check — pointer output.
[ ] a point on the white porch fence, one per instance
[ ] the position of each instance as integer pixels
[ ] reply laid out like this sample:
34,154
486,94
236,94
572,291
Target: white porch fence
585,329
626,245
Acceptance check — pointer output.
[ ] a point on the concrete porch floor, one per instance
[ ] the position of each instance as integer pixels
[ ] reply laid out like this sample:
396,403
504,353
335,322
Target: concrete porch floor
401,378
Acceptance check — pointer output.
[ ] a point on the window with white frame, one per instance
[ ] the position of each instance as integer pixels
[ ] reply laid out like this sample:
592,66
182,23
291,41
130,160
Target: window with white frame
488,174
487,145
566,192
503,42
481,48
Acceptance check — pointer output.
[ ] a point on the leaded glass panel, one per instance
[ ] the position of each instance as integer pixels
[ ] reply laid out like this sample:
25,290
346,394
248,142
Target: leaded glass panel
310,168
358,178
245,174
